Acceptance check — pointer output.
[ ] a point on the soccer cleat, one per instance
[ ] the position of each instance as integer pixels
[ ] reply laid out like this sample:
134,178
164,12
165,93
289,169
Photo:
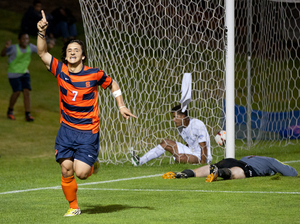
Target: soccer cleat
173,175
96,166
169,175
135,159
181,175
11,116
29,118
213,170
73,212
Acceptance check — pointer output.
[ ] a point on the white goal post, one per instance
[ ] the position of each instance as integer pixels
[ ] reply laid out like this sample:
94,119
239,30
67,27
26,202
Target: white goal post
147,46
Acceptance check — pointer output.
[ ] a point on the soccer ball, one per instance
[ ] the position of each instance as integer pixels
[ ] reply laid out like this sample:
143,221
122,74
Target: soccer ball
221,138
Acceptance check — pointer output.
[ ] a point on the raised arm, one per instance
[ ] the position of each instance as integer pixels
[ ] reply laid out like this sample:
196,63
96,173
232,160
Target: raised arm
41,41
7,44
118,96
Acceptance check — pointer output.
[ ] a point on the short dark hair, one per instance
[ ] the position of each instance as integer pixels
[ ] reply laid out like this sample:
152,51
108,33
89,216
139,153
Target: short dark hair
21,34
64,50
179,110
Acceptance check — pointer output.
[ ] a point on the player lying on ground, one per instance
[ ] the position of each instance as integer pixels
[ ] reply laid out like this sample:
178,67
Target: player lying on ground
249,166
192,131
77,141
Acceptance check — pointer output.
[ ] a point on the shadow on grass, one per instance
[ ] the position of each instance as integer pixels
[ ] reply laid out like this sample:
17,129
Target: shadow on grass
110,208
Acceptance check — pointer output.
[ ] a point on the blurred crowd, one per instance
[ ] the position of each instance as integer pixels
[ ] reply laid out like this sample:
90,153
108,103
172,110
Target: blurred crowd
62,22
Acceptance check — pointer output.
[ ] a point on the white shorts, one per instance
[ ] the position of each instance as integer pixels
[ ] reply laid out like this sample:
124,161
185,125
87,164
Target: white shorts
183,149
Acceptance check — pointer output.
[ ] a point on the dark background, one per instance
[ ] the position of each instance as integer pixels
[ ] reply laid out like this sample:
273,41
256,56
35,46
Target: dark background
21,6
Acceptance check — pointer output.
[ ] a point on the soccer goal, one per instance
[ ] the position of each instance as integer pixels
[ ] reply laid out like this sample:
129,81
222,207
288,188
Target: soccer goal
267,71
147,46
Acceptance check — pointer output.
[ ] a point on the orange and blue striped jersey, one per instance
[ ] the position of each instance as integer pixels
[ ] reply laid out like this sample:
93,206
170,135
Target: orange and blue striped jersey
78,95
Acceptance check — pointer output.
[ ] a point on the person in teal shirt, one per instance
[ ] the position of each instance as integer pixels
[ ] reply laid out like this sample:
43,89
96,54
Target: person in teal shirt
19,57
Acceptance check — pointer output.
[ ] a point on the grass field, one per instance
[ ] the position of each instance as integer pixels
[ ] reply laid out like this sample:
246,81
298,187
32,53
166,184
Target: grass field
30,189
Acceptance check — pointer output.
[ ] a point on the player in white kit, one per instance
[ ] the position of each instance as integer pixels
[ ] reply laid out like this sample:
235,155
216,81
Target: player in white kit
194,134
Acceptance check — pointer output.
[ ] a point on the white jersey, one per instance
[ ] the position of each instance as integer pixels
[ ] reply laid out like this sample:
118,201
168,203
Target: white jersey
194,134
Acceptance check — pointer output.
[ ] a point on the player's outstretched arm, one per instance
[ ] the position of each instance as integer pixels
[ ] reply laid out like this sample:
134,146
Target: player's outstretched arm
7,44
41,41
116,92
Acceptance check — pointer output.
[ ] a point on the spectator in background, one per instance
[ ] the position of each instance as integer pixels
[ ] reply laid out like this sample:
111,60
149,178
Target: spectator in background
31,18
64,23
19,57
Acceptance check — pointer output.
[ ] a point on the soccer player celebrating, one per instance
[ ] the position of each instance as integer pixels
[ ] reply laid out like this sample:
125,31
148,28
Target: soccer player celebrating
192,131
77,141
229,168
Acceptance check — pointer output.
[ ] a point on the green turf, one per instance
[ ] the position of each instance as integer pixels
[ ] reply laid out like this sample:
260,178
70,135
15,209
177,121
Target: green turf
27,162
149,200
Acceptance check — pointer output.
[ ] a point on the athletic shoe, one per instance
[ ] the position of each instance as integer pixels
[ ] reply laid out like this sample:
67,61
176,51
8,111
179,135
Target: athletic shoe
213,173
169,175
173,175
135,159
73,212
29,118
181,176
11,116
96,166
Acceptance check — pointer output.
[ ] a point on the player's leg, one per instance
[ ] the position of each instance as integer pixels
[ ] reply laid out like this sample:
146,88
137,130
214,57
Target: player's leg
17,88
65,157
86,155
228,168
186,158
26,94
82,169
69,186
154,153
26,87
12,101
202,171
180,152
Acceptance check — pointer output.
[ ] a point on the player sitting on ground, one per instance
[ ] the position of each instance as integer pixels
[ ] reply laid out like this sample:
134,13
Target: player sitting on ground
249,166
192,131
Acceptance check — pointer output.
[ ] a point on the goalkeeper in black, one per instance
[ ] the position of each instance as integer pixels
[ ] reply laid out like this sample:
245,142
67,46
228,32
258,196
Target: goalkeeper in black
229,168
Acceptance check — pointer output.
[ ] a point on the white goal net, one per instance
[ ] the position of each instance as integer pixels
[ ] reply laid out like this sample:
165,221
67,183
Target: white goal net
267,71
147,46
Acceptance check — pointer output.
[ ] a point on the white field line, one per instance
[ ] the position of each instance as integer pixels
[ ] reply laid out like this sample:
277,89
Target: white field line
91,183
200,191
294,161
142,177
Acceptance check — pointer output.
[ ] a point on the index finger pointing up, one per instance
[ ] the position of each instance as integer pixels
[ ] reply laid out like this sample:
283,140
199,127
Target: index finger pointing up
43,15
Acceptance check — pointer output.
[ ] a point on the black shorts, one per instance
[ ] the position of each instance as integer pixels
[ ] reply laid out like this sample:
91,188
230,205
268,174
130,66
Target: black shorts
230,162
20,83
